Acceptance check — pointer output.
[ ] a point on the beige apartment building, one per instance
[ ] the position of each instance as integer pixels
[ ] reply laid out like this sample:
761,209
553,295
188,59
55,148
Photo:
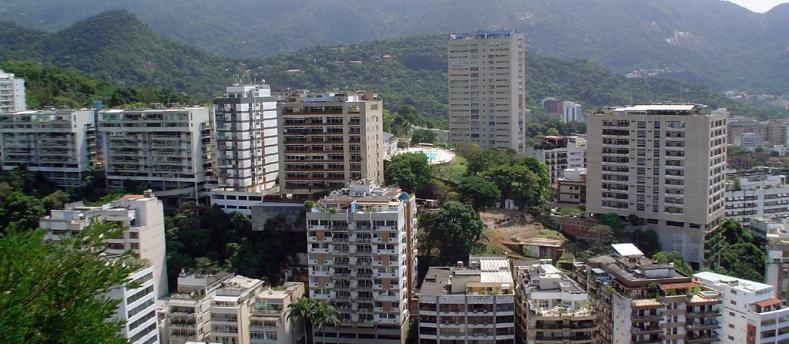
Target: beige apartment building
474,304
328,140
362,259
187,311
60,144
663,164
268,316
167,150
487,89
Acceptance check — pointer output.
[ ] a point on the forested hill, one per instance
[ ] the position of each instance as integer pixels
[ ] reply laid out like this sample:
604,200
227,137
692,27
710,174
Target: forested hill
717,42
116,48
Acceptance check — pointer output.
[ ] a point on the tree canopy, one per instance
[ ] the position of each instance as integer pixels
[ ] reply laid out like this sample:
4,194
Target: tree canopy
409,171
481,193
450,232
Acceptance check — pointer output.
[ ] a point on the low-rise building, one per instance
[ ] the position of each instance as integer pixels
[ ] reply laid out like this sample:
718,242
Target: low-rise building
60,144
473,304
188,317
756,196
572,186
559,153
751,312
268,317
638,300
551,307
230,309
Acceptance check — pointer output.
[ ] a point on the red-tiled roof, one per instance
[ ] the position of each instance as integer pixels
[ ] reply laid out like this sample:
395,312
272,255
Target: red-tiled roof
769,302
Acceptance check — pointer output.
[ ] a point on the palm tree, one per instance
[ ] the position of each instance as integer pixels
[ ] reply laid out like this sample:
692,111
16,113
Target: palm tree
324,315
302,310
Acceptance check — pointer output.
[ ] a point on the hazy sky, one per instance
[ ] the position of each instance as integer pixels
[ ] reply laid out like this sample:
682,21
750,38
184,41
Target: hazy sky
759,6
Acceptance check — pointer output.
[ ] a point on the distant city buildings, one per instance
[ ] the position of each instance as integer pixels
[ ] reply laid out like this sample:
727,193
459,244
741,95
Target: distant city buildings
12,93
751,313
487,89
328,140
756,196
568,111
559,153
60,144
464,304
638,300
166,150
663,164
362,260
246,143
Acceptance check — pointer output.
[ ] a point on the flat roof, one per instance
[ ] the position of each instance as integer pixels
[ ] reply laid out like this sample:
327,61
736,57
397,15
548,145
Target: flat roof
660,107
627,250
739,283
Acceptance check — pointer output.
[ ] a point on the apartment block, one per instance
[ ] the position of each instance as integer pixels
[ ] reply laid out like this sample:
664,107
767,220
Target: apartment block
187,312
756,196
328,140
362,259
559,153
141,216
247,155
474,304
572,187
738,125
573,112
268,316
137,308
663,164
777,266
551,307
60,144
751,312
231,305
12,93
487,89
638,300
166,150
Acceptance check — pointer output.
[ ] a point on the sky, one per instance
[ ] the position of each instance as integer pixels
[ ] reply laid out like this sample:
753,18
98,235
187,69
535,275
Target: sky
759,6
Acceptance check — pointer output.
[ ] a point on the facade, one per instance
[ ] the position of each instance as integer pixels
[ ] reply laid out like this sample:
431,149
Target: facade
777,266
390,145
552,106
757,196
60,144
748,141
559,153
468,305
247,153
776,132
572,187
663,164
231,305
268,316
751,314
572,112
12,93
487,89
167,150
137,308
362,258
142,217
551,307
738,125
640,301
187,312
329,140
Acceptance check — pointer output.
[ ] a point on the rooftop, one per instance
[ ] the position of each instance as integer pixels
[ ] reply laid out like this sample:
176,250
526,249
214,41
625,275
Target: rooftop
482,34
483,273
740,284
664,109
631,269
362,192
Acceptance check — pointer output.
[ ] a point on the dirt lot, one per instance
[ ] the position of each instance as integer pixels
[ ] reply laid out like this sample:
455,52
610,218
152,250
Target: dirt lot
513,226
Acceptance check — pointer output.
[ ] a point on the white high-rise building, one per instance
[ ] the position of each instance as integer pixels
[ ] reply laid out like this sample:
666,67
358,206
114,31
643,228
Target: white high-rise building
142,217
362,259
247,154
751,312
61,144
487,89
757,196
573,112
663,164
137,308
166,150
12,93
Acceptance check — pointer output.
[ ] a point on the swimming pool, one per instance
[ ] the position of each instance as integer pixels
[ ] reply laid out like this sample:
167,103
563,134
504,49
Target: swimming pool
434,155
431,155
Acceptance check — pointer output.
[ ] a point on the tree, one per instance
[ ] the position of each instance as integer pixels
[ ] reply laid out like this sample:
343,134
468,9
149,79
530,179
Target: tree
603,234
664,257
525,181
481,161
55,292
18,208
409,171
423,136
648,241
451,232
302,311
478,191
324,315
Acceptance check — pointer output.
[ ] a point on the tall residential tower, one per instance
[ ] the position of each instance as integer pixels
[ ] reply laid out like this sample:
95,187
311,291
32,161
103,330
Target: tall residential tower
487,89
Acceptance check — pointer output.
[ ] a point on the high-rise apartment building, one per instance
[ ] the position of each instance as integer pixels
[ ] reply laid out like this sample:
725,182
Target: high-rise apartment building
12,93
60,144
559,153
663,164
328,140
247,155
751,313
268,317
757,196
468,304
638,300
141,216
166,150
137,307
551,307
573,112
362,258
487,89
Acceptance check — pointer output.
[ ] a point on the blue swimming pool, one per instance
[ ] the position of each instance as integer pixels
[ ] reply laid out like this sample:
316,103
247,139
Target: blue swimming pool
431,155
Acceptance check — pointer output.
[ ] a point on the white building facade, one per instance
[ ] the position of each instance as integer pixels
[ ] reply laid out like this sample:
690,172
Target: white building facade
758,196
573,112
559,153
12,93
137,308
